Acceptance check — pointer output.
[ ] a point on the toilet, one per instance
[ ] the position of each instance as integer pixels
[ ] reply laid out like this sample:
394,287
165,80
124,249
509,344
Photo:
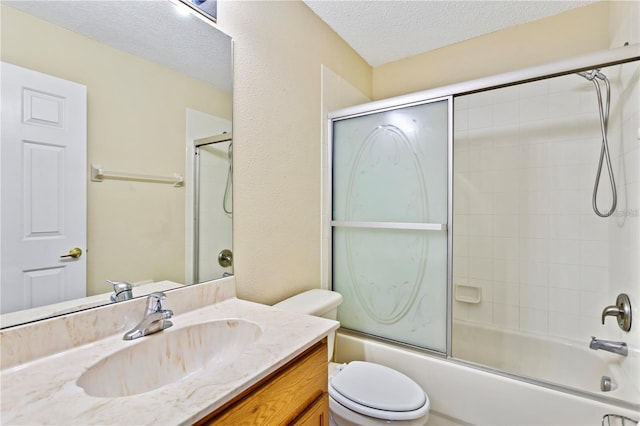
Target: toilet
362,393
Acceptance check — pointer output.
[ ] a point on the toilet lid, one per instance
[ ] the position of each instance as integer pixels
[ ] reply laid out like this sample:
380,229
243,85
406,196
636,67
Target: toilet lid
377,387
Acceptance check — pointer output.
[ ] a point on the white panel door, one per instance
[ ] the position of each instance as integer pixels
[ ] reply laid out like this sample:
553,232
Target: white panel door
43,189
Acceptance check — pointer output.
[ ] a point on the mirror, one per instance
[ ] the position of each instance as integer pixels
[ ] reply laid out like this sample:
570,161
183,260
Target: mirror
157,79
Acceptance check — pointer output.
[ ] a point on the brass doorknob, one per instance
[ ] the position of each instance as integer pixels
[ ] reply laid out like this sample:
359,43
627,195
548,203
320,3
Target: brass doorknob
75,253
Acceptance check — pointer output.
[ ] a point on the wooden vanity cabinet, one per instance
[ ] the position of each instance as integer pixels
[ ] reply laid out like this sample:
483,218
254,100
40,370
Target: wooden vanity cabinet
296,394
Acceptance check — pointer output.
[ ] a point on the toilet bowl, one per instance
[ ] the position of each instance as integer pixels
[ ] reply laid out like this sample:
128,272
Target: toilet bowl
362,393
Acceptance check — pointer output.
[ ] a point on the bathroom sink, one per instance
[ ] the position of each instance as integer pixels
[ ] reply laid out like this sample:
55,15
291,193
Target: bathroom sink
168,356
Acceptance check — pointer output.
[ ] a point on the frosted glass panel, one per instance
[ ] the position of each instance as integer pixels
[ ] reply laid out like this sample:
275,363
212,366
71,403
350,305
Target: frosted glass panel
394,284
390,168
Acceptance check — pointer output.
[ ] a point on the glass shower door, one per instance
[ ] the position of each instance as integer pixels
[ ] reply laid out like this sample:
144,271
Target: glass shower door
390,211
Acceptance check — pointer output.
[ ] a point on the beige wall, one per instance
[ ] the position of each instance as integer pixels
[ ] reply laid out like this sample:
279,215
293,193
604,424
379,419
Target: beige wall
279,47
562,36
136,122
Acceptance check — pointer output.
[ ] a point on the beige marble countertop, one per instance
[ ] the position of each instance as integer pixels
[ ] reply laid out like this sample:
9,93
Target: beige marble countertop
43,390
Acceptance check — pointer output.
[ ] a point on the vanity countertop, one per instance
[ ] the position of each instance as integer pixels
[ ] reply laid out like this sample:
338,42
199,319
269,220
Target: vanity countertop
44,390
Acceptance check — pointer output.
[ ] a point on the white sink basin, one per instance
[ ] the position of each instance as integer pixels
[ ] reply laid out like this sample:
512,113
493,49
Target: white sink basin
165,357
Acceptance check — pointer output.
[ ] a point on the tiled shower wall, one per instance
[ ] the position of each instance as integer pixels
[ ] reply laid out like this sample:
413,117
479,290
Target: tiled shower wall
525,159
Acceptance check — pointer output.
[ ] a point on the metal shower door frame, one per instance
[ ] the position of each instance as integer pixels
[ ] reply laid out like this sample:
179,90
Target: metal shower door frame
197,143
577,64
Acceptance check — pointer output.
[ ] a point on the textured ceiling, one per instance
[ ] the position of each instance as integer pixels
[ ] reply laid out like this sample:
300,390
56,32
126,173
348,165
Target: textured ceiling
387,31
152,30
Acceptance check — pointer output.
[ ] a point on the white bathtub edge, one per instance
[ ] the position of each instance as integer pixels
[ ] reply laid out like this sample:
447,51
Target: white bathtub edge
478,397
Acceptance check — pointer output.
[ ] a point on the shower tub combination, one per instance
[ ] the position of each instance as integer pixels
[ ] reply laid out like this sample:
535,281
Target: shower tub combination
547,359
488,186
468,395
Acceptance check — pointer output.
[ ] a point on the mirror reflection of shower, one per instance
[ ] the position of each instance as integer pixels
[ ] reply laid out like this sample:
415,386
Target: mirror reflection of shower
603,108
227,202
212,202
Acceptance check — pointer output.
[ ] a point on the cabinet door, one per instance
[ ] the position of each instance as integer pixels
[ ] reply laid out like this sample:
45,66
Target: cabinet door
282,397
317,414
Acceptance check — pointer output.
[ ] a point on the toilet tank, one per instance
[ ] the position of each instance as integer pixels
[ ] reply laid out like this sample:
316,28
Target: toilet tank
316,302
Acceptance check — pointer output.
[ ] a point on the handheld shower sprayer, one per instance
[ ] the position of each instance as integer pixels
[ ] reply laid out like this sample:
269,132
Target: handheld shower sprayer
593,76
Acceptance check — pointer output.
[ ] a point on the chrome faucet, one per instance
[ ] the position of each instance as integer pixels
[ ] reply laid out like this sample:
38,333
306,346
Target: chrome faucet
619,348
155,318
121,291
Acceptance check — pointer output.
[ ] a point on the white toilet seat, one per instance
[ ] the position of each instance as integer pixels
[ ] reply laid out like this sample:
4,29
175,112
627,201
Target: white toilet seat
378,391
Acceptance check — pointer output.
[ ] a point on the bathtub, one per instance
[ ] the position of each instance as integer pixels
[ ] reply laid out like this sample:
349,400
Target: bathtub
548,359
470,395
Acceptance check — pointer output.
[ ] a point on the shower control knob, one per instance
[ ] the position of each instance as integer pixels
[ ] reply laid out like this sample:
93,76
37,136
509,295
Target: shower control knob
621,310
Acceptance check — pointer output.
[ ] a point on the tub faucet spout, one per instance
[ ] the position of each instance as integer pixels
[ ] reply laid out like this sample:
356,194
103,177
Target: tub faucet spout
619,348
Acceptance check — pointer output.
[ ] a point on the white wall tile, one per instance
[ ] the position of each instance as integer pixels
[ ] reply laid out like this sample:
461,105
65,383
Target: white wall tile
506,181
564,325
594,253
593,227
506,135
460,266
460,310
507,316
506,293
565,252
535,88
481,225
481,312
486,288
534,273
506,113
481,268
534,320
460,245
460,119
564,226
534,108
534,226
564,103
481,247
505,248
564,276
527,181
564,300
566,202
480,117
594,278
534,249
534,202
506,225
592,303
460,224
535,297
506,270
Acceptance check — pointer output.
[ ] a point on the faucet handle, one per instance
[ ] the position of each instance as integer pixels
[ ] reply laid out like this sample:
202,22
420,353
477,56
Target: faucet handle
154,301
621,310
121,291
119,286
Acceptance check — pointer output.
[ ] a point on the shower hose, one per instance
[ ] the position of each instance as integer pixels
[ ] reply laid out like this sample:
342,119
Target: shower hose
594,76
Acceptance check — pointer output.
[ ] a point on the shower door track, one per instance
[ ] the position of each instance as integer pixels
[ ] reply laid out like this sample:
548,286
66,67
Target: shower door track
586,62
